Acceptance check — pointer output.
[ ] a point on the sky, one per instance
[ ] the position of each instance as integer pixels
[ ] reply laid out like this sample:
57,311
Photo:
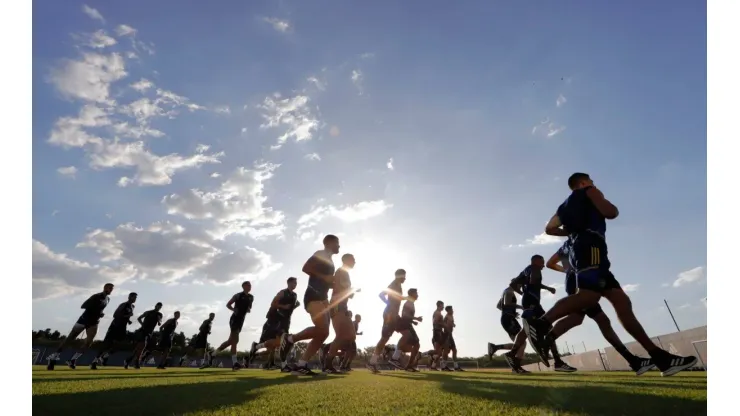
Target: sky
179,149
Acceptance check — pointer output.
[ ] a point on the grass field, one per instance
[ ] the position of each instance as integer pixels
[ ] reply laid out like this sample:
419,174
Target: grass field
257,392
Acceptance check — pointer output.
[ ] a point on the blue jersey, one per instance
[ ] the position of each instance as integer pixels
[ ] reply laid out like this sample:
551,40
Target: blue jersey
580,217
530,291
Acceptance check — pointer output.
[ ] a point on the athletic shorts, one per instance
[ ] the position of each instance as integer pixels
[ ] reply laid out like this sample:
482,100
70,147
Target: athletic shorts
437,336
87,323
389,325
404,324
340,309
200,341
285,325
571,288
236,323
450,342
412,336
353,346
143,336
590,259
511,325
165,343
311,295
116,333
532,308
270,330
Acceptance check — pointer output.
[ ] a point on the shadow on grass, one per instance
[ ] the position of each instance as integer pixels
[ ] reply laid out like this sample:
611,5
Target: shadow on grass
172,399
589,398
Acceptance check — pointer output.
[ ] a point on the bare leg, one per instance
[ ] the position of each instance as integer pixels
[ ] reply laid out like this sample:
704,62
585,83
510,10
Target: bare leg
623,307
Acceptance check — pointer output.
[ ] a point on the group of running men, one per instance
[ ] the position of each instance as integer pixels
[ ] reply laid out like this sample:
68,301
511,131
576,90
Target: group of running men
581,218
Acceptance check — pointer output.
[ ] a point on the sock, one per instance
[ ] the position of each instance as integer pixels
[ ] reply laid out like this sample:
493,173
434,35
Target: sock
76,356
455,364
259,346
234,359
301,363
625,353
396,354
374,359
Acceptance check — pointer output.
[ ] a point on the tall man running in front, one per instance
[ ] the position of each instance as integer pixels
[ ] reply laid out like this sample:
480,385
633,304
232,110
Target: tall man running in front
508,306
88,322
392,297
320,271
117,330
277,323
530,280
582,217
638,364
240,305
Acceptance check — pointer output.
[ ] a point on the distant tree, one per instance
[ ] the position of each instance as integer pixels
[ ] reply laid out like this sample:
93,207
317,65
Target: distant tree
55,336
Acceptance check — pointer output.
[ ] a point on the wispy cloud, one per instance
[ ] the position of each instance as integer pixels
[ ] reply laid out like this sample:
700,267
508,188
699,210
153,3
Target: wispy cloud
281,25
689,276
539,240
92,13
631,287
68,171
561,100
357,79
547,128
312,156
389,164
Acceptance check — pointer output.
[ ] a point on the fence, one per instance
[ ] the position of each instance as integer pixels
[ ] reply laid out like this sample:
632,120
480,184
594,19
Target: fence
689,342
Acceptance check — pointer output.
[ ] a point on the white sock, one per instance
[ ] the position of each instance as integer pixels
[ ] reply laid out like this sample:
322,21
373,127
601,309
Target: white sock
259,346
233,359
397,354
76,356
301,363
442,363
456,365
374,359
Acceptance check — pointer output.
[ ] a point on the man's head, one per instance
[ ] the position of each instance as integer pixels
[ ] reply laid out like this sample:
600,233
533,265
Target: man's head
158,306
331,244
108,288
448,309
348,261
440,305
400,275
292,283
579,180
211,316
246,286
177,315
132,297
358,318
537,262
413,294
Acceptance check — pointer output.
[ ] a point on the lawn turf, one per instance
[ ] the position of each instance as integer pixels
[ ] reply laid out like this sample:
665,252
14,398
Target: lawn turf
185,391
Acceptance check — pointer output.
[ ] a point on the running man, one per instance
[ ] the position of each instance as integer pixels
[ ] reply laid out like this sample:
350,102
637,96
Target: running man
166,335
240,305
351,353
530,280
88,322
638,364
448,324
277,324
409,341
582,217
117,330
341,317
199,343
392,297
320,271
437,336
508,306
149,321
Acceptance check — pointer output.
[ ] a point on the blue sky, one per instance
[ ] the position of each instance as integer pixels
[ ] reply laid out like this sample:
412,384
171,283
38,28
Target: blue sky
180,148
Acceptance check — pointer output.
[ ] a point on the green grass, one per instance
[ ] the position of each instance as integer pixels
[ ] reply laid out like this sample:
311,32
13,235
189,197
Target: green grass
256,392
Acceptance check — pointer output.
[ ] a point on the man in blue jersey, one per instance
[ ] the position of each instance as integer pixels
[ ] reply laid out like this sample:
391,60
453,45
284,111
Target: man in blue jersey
582,218
638,364
530,280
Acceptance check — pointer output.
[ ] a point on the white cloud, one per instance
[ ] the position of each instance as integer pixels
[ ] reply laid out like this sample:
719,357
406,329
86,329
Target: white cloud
685,306
389,164
357,78
689,276
312,156
223,109
68,171
92,13
631,287
238,206
55,274
142,85
294,113
125,30
167,252
548,129
539,240
320,85
347,213
282,26
561,100
68,131
90,77
367,55
97,40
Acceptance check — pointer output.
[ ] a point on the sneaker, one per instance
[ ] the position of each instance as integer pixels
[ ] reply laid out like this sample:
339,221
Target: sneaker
372,367
564,368
395,363
412,370
433,369
72,364
491,350
322,355
330,370
236,366
52,361
447,369
510,360
670,364
520,371
94,365
536,331
285,369
137,366
161,367
459,369
125,364
252,353
642,365
302,371
285,346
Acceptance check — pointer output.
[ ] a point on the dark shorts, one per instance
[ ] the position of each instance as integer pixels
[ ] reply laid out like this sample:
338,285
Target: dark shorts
511,325
413,338
590,259
532,308
341,309
236,323
285,326
165,343
200,341
311,295
271,330
389,325
571,288
450,342
437,336
116,333
353,346
143,336
404,324
87,322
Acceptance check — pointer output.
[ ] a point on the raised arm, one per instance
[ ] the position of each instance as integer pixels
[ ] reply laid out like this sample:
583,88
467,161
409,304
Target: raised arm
555,228
606,208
